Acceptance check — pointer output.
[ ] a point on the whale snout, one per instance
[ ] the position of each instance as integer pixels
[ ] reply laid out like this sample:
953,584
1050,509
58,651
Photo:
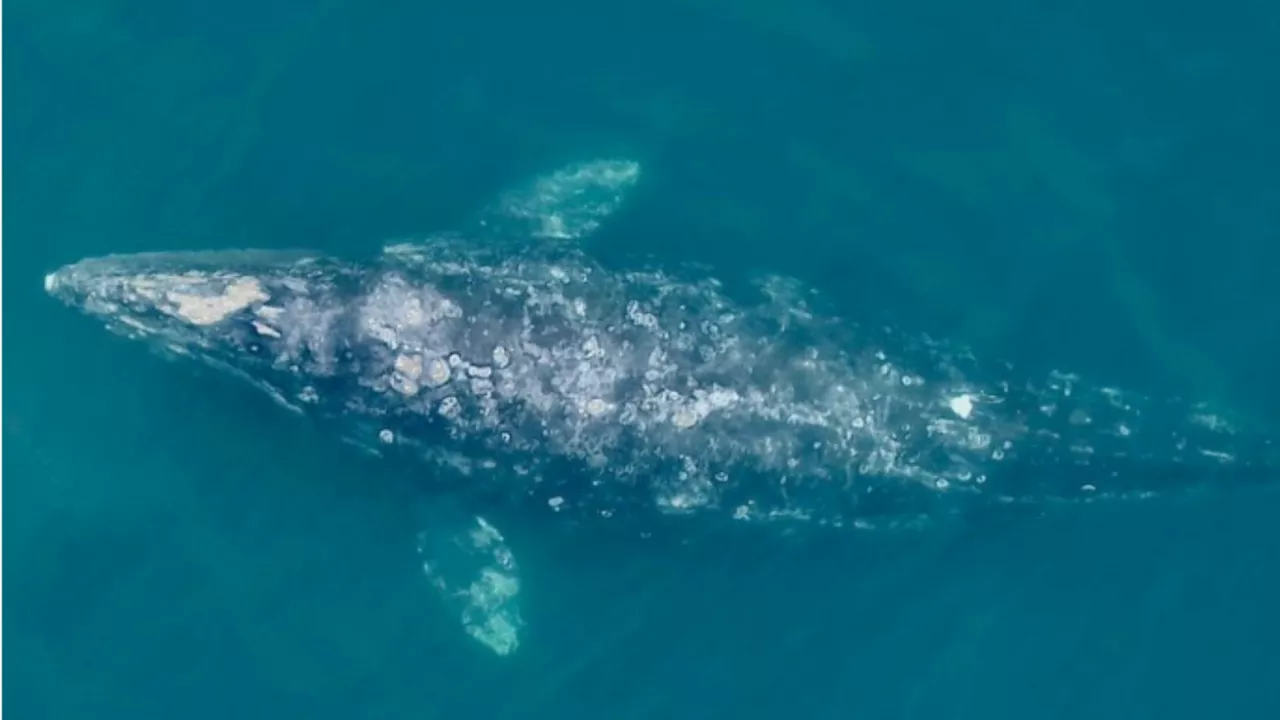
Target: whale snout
57,283
77,283
179,297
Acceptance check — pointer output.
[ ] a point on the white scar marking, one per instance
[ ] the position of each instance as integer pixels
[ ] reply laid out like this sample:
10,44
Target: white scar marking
408,370
961,405
410,366
684,418
437,373
205,310
264,329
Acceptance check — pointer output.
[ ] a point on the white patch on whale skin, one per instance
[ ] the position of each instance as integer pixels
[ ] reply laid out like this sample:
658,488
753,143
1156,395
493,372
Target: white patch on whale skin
961,405
404,316
201,309
265,329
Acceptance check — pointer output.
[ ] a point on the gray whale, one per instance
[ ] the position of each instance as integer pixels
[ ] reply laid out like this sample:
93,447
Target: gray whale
538,376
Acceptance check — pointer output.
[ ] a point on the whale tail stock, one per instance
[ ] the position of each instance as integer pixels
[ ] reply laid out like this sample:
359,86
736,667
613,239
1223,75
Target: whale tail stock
1066,440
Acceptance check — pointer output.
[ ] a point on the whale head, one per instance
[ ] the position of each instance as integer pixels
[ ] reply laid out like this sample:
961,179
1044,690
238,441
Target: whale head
272,317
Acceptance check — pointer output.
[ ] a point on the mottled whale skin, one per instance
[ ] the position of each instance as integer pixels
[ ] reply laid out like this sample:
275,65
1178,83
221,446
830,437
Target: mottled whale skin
537,375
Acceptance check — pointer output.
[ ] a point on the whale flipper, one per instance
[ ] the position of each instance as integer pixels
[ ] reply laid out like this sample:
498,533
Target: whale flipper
548,213
567,204
468,563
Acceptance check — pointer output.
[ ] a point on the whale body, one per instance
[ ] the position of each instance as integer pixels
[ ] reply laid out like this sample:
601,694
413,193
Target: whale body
536,375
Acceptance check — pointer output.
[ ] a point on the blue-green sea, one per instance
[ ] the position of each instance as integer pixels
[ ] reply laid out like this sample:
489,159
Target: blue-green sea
1089,187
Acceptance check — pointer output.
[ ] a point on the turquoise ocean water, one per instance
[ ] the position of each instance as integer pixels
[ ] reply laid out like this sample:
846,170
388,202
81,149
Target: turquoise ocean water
1090,188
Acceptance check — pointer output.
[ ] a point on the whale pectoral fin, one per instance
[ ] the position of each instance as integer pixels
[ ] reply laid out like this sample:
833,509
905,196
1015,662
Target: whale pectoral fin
567,204
467,561
557,210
